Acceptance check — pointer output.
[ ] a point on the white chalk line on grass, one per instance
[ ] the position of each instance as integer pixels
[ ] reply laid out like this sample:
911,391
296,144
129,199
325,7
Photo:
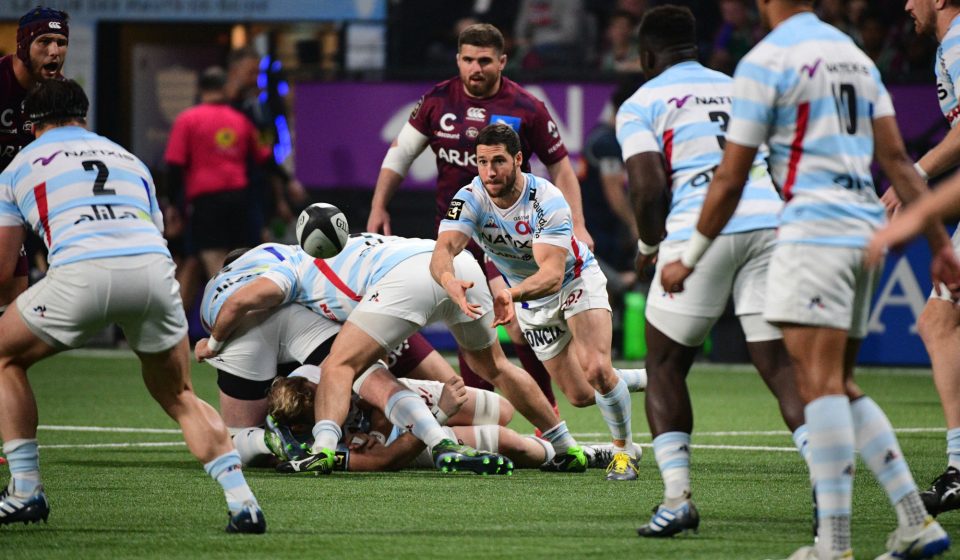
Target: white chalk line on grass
108,429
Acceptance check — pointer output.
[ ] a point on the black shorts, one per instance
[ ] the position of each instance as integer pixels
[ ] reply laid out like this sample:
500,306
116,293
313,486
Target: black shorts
219,221
249,390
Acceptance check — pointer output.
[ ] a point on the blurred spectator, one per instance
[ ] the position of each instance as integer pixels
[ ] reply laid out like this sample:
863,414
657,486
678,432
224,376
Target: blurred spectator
738,33
836,13
274,193
207,154
875,39
606,204
620,52
553,33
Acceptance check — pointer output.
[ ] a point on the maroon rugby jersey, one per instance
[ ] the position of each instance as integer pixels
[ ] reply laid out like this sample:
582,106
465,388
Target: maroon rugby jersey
15,132
451,120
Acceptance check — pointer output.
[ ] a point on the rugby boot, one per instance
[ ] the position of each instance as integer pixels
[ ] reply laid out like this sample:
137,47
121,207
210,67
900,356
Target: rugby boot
248,520
573,460
926,542
622,467
282,443
450,456
669,522
943,494
32,509
316,463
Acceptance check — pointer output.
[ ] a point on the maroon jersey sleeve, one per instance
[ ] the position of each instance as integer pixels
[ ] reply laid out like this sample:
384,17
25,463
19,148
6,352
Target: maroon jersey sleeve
424,111
15,131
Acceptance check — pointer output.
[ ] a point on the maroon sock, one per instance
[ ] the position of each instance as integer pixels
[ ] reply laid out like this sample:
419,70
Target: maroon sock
535,368
470,378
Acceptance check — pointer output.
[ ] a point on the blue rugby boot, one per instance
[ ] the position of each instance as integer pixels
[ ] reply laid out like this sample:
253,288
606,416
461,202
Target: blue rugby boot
248,520
14,509
667,523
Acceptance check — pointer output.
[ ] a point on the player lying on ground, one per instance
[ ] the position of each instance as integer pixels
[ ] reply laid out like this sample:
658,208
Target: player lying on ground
372,443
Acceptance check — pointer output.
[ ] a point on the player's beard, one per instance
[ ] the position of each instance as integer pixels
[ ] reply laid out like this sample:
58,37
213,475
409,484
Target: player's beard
479,88
41,71
509,189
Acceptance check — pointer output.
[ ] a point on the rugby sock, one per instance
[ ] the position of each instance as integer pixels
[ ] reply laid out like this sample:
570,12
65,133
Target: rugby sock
831,441
560,437
249,443
226,470
326,435
24,460
636,378
532,364
672,451
953,448
616,408
879,449
801,440
407,410
548,452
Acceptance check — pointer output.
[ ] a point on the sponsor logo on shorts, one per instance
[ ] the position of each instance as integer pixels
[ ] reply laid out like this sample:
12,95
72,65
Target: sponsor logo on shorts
40,310
542,337
816,303
375,296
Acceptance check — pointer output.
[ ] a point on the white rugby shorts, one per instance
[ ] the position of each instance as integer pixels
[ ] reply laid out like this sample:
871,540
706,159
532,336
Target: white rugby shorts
821,286
736,264
545,327
264,339
78,300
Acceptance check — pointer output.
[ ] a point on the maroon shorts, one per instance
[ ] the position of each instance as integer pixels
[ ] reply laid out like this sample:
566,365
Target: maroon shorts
23,268
408,355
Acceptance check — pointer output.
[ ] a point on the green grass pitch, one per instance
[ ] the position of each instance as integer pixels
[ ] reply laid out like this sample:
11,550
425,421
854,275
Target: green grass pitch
113,495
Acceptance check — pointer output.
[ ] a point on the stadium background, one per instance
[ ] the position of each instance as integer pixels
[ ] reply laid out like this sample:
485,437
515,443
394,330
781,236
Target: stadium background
341,76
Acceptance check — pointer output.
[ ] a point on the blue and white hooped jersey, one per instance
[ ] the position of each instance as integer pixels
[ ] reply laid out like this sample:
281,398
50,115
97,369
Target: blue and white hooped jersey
540,215
683,114
248,267
333,287
84,195
812,96
948,73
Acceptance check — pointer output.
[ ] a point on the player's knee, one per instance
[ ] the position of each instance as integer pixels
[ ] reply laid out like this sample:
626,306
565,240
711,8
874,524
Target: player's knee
580,398
598,373
931,325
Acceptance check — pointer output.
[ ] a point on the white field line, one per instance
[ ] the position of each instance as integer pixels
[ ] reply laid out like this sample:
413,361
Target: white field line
586,435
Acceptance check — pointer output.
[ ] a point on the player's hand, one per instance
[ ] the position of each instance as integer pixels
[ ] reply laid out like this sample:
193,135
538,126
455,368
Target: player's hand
673,276
894,235
298,195
453,396
202,351
891,202
945,269
457,290
379,221
582,234
362,442
644,263
503,311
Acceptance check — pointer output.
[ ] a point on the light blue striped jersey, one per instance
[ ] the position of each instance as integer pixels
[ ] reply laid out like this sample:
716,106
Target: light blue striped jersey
540,215
812,96
87,197
247,268
333,287
683,114
948,72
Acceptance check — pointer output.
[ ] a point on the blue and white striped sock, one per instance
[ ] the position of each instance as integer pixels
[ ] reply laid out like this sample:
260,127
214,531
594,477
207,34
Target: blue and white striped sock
407,410
560,437
801,440
326,435
672,451
636,378
881,452
953,448
24,460
616,409
226,470
831,441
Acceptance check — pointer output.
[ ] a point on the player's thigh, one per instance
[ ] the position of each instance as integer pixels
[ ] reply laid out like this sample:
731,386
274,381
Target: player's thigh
707,289
433,367
18,343
362,340
241,413
145,302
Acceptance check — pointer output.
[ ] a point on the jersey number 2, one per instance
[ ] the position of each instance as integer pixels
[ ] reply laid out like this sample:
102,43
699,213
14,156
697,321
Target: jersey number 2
102,173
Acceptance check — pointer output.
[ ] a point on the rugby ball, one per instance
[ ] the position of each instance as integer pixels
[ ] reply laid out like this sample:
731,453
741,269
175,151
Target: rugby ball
322,230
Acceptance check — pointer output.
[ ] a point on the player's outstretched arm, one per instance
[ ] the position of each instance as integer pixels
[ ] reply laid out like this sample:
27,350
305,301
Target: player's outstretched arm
565,178
387,184
409,144
380,458
944,156
262,293
547,280
723,196
449,245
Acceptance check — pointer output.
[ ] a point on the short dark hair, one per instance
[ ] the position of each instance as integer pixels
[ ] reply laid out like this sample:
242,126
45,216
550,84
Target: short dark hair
666,27
234,255
56,102
500,134
481,35
212,79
